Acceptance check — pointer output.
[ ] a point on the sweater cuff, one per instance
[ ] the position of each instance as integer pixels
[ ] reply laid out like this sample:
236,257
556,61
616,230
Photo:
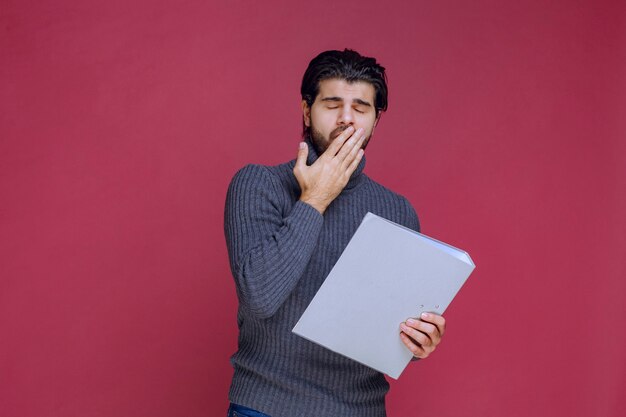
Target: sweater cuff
308,216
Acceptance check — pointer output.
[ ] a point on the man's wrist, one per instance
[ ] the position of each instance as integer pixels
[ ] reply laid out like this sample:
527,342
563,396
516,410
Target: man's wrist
314,203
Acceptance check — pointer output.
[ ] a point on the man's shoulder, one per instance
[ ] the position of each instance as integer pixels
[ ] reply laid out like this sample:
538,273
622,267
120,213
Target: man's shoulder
263,171
251,170
386,191
397,206
259,175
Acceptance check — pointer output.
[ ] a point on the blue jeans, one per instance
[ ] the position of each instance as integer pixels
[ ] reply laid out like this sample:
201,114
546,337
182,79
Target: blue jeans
240,411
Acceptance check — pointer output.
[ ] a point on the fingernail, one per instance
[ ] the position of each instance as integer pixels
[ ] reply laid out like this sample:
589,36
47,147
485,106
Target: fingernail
360,130
302,145
425,315
410,322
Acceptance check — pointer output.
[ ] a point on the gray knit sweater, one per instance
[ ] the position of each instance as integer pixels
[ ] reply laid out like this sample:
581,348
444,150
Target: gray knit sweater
281,250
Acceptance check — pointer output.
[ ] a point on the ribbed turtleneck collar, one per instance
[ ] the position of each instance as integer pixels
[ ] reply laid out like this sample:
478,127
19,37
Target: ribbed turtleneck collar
356,176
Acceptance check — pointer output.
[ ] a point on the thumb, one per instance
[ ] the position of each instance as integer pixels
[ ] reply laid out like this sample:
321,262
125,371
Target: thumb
303,152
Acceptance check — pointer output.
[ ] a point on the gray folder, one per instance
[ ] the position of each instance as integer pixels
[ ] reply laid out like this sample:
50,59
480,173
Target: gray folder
386,274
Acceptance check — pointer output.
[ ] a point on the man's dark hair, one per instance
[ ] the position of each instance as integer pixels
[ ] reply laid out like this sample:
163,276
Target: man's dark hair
346,65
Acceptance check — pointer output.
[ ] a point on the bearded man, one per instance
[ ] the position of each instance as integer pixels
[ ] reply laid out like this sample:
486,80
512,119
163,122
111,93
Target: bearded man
286,227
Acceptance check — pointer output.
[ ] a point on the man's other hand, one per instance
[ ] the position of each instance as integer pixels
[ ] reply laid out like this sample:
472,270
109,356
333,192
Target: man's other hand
423,335
323,181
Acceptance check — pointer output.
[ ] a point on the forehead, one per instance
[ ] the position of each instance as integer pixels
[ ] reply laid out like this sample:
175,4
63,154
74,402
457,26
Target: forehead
346,90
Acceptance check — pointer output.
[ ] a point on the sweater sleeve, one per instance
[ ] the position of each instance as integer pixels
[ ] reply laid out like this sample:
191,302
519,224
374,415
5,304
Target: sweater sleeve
268,250
411,220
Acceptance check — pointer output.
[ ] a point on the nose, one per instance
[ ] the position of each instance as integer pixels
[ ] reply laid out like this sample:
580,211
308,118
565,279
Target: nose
346,117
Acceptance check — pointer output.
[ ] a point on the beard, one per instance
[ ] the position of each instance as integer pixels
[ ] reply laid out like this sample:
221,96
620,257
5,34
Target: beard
321,143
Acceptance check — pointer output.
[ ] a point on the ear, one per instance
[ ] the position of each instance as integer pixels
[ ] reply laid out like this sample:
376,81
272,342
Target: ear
380,113
306,114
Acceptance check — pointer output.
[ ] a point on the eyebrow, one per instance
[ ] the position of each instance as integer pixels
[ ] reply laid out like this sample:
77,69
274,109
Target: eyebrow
339,99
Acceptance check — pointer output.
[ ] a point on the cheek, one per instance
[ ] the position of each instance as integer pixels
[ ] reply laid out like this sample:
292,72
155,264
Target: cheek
368,124
322,121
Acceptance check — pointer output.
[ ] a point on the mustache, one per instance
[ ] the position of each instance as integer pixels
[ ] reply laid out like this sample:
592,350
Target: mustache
338,131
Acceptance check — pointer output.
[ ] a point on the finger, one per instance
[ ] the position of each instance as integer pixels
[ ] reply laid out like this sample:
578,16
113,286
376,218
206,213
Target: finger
420,337
338,142
435,319
415,348
303,152
355,162
349,145
423,326
353,154
428,329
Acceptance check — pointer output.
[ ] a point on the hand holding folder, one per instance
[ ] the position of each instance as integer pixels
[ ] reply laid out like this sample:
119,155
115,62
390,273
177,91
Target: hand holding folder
386,274
422,335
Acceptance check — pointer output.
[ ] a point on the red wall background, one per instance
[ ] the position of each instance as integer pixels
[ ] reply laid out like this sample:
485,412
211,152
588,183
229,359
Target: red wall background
121,124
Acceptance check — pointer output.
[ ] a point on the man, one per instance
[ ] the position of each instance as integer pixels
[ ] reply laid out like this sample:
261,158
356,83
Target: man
286,226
